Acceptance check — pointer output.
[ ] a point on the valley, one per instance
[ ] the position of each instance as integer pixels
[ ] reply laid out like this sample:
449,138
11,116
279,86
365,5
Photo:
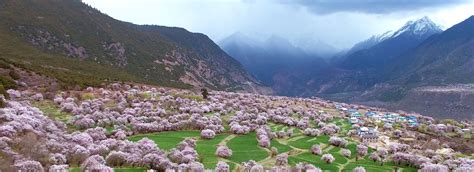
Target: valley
185,131
270,86
385,70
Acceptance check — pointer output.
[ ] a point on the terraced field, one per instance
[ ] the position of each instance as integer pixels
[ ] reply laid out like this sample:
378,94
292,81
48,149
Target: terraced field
245,147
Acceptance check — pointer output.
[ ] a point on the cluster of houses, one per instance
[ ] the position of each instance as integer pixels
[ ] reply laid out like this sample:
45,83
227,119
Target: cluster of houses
387,118
369,134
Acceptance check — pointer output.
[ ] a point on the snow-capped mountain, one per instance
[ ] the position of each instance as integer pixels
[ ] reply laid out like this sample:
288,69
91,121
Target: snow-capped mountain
374,40
378,50
423,26
450,52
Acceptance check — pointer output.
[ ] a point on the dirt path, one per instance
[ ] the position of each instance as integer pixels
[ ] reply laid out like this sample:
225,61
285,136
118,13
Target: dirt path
342,166
225,140
295,138
270,161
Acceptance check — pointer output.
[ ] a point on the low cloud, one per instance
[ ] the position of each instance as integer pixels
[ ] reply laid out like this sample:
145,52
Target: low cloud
370,6
340,23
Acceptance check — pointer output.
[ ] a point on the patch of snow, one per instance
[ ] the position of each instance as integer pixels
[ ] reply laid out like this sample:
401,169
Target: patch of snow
418,27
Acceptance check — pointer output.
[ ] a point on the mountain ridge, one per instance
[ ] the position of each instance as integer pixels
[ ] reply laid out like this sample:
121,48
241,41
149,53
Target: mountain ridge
402,40
157,54
434,78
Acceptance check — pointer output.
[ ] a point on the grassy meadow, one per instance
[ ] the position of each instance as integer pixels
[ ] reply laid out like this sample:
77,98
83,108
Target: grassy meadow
245,147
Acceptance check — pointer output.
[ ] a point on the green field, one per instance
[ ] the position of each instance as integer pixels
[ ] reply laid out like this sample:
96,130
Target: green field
207,148
245,147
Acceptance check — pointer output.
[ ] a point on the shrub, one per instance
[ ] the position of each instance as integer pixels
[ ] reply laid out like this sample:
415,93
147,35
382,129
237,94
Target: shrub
14,75
92,161
257,168
330,129
14,94
465,169
382,153
67,107
359,169
346,153
59,168
337,141
3,91
282,159
434,168
316,149
101,168
78,154
375,156
303,166
328,158
222,167
264,142
196,166
361,150
2,103
208,134
57,159
116,158
274,151
37,97
8,83
312,132
152,160
28,166
204,93
223,152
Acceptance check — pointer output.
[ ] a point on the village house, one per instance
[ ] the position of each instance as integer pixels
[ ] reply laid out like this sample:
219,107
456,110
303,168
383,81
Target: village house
370,114
353,120
369,138
374,116
368,134
401,119
354,116
366,131
412,121
390,117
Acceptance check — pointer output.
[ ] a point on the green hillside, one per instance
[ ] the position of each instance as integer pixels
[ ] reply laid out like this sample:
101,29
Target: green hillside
47,35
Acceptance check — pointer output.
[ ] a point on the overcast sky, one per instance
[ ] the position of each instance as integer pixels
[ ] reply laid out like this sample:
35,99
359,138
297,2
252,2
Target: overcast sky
340,23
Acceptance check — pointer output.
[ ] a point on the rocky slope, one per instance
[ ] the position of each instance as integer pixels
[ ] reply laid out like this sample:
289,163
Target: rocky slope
154,54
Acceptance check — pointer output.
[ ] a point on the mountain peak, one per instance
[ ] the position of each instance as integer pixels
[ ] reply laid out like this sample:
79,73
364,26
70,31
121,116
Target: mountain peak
421,26
278,41
238,35
425,19
240,39
471,18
